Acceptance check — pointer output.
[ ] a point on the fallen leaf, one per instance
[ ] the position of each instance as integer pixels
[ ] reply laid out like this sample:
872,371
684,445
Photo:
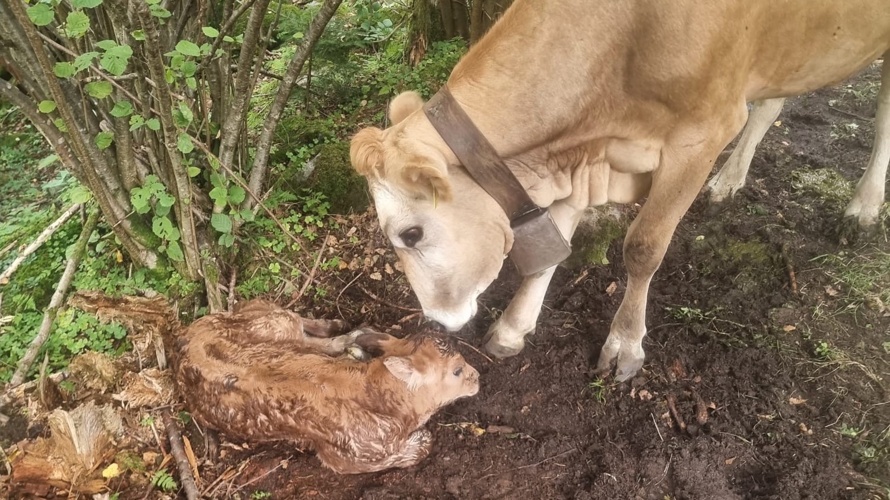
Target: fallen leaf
150,457
351,231
796,401
376,276
387,268
831,291
789,328
729,461
525,366
645,395
777,123
111,471
611,288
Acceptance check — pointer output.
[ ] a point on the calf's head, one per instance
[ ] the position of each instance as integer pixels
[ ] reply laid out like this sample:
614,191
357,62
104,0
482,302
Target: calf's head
428,365
449,234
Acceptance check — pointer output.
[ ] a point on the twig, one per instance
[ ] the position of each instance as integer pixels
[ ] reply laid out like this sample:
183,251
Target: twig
390,304
477,350
182,463
701,408
311,276
789,266
56,302
337,302
231,299
8,248
851,115
45,235
655,423
672,406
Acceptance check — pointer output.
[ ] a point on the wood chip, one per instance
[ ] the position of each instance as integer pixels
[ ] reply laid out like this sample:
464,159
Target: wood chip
796,401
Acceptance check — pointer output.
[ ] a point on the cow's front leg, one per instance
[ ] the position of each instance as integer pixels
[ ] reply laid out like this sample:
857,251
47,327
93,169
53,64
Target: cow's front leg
506,337
686,161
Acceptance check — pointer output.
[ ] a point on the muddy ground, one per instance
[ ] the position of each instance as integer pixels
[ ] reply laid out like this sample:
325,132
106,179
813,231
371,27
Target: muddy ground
774,356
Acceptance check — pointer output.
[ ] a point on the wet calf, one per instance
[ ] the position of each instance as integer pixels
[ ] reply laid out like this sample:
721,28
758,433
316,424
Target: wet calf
256,375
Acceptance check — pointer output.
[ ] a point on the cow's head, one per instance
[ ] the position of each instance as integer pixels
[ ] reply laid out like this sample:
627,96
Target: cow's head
450,235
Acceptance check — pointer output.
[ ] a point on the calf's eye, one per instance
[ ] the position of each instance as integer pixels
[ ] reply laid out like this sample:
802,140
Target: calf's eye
411,236
458,371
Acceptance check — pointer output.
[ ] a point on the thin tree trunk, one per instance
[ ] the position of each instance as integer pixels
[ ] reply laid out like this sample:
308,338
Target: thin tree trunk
56,302
261,159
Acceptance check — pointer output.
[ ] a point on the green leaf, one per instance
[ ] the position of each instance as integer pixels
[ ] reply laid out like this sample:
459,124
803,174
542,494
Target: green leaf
159,12
41,14
247,215
99,90
85,4
193,171
63,69
106,44
49,160
122,109
162,227
221,222
136,122
188,48
80,194
76,24
104,139
217,180
115,58
210,32
236,194
219,196
60,124
229,39
153,124
138,35
186,112
174,251
165,200
188,68
184,143
227,240
84,60
46,106
191,83
139,197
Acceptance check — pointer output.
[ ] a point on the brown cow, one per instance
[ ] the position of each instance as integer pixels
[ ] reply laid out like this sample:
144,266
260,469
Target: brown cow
255,376
589,102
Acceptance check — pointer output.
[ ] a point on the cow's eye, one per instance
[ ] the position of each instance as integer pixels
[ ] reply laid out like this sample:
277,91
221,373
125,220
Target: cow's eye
411,236
458,371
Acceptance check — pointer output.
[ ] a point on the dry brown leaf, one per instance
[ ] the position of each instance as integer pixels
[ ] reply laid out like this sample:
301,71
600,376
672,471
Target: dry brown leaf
611,288
789,328
831,291
190,454
730,460
796,401
388,269
376,276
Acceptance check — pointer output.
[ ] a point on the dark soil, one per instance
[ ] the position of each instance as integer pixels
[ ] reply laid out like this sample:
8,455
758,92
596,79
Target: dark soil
780,387
730,342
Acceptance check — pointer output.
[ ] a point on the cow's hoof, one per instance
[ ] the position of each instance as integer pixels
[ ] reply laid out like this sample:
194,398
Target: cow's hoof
851,230
357,353
626,360
503,351
502,342
715,205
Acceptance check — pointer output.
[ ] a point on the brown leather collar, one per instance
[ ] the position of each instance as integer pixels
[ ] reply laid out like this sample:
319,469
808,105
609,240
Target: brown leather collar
478,156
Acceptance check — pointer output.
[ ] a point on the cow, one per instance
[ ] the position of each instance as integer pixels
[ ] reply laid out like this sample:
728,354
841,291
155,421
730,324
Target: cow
588,102
862,214
255,375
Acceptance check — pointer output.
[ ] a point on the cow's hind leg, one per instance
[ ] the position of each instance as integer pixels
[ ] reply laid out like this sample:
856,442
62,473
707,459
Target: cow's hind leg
731,176
686,161
863,212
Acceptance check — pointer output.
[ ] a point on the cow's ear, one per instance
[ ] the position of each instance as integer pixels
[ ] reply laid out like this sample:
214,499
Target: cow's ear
403,105
366,150
429,180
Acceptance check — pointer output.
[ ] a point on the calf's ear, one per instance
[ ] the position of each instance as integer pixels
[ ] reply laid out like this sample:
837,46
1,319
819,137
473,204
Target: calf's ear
366,150
403,105
402,369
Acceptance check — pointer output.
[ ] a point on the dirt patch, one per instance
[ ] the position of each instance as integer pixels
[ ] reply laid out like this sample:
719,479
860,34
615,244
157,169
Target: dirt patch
766,376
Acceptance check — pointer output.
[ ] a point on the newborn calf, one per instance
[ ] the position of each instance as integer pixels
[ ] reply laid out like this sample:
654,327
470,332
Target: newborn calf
256,376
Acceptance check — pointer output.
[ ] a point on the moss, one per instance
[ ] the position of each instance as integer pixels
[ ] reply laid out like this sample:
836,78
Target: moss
335,178
824,183
593,238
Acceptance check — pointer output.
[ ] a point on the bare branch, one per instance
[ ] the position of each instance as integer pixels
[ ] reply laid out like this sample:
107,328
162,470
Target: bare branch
56,302
182,464
261,159
41,239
